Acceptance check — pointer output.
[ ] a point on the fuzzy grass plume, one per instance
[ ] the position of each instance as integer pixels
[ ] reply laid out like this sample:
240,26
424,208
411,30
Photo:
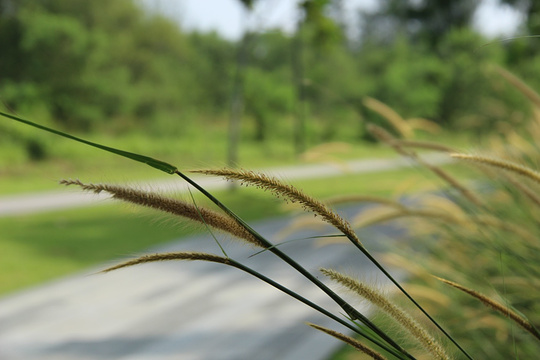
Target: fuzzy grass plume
279,189
169,257
171,206
291,193
501,164
394,311
520,320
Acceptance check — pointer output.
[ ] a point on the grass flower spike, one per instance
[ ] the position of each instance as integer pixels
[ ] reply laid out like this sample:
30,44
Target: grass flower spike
168,257
396,313
289,192
501,164
518,319
171,206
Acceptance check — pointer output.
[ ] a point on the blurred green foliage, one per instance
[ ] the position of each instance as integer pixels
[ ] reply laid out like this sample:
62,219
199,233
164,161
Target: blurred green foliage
114,67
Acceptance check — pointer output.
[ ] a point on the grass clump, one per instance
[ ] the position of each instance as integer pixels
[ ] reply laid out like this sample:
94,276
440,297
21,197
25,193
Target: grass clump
472,237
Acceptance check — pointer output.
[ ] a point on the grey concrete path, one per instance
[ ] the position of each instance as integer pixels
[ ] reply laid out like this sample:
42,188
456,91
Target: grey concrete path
72,198
182,310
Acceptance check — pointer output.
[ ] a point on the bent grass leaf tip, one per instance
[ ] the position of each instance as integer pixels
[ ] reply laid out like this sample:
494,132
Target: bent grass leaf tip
157,164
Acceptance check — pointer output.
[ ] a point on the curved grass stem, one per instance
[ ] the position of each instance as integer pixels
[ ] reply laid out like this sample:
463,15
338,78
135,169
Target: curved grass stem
349,310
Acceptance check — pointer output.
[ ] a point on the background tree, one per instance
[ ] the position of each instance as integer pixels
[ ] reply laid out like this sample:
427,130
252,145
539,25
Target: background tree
237,100
421,21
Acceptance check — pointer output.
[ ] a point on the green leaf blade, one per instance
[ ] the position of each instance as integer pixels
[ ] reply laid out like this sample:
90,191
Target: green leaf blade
157,164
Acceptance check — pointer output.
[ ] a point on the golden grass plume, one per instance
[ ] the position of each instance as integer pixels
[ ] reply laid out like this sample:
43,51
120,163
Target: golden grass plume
395,312
279,189
495,305
501,164
184,255
172,206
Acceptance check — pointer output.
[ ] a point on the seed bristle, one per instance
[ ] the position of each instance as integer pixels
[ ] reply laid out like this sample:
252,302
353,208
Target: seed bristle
495,305
289,192
399,315
168,257
172,206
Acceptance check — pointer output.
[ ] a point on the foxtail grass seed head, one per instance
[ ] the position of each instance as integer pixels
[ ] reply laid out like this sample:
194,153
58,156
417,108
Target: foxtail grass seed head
169,257
399,315
288,192
172,206
501,164
495,305
349,340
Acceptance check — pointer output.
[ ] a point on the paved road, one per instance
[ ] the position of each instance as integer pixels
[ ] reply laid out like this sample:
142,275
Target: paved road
72,198
181,310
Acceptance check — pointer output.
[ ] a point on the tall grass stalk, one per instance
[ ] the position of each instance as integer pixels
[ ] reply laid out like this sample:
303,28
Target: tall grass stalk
280,189
396,313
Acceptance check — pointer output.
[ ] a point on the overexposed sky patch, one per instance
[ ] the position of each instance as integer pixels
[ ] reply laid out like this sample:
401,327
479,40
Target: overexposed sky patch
493,19
228,17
